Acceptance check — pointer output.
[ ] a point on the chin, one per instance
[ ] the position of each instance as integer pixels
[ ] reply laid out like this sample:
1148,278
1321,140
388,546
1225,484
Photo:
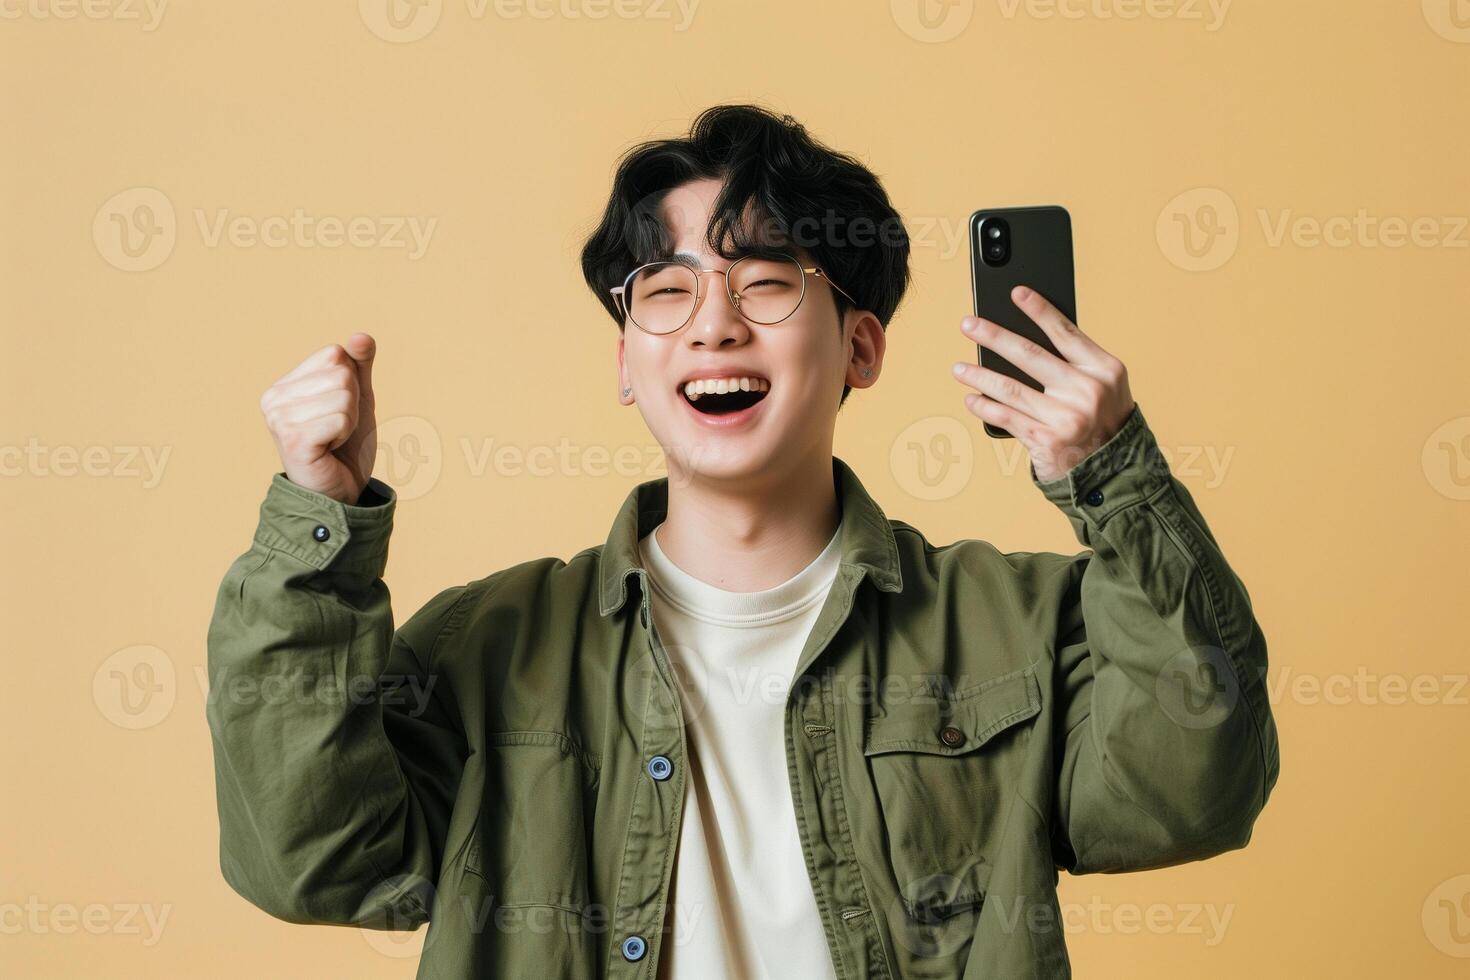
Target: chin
717,458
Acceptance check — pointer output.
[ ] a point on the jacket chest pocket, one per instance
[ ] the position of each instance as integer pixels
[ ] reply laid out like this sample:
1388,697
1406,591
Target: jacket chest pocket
945,771
530,840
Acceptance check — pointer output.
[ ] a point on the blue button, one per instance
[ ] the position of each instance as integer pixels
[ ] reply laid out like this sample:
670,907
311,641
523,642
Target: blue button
633,948
660,768
1094,498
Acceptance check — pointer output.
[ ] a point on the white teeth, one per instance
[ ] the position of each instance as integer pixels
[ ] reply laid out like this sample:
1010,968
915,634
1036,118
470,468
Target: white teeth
723,386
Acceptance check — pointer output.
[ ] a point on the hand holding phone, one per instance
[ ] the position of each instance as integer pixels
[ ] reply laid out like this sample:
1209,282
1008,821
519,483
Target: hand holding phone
1040,379
1012,247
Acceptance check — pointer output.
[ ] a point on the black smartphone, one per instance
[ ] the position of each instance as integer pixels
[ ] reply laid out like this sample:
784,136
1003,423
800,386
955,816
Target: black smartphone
1012,247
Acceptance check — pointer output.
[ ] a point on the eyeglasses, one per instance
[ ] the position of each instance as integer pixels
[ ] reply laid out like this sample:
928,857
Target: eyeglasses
660,297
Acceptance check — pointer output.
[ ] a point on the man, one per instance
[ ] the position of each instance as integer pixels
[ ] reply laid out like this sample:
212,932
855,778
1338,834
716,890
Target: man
763,730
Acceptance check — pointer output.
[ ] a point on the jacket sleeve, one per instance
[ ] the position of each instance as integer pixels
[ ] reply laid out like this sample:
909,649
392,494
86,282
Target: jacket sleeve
1168,747
337,753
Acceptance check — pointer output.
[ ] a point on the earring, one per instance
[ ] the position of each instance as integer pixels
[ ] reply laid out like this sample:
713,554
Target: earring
627,392
867,372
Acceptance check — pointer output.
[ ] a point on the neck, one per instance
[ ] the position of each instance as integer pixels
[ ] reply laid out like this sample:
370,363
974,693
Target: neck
755,534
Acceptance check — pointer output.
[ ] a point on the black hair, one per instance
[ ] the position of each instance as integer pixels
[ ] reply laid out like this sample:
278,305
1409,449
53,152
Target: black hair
782,188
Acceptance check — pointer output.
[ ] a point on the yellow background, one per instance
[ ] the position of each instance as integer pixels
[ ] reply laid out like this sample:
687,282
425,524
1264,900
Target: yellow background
1328,382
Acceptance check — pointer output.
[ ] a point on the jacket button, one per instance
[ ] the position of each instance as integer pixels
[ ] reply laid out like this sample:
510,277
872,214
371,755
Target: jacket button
952,736
660,768
633,948
320,532
1094,498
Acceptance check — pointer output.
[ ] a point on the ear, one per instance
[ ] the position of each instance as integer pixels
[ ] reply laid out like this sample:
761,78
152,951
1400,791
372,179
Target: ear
869,342
625,383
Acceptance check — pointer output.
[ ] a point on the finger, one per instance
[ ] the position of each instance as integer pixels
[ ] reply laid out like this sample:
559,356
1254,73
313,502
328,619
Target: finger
327,379
329,432
317,360
1027,355
1074,345
1008,391
362,348
1014,421
299,413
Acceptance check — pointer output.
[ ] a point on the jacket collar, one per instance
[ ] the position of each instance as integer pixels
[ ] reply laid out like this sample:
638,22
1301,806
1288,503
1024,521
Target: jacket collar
867,541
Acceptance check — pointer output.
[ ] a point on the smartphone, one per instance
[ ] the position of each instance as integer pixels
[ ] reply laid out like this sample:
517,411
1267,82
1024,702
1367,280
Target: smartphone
1012,247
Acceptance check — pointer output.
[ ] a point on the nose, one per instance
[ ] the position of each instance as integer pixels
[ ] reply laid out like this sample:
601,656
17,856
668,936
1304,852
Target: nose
716,321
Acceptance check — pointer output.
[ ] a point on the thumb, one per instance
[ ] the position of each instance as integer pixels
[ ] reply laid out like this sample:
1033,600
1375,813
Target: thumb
362,348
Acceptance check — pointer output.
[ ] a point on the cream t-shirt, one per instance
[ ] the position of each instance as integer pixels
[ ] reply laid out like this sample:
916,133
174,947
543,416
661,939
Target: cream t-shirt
743,906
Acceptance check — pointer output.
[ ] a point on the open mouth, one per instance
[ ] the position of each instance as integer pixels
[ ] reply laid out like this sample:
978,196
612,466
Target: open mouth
726,403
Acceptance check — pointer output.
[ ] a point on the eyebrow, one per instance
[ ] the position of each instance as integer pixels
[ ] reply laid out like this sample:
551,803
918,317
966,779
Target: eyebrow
685,258
696,263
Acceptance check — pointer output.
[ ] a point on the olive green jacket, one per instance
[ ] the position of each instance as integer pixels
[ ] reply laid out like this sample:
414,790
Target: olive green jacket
961,724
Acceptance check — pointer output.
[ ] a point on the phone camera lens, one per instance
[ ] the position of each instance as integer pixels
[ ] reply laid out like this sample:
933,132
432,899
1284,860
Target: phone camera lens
994,241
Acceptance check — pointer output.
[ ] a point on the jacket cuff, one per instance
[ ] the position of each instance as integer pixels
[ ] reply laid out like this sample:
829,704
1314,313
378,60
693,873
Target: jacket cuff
1118,474
326,533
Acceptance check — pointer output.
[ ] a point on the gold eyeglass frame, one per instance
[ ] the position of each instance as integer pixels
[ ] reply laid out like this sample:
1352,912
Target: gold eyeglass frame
618,292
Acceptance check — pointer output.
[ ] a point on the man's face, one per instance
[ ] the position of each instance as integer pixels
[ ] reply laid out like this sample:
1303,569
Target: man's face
803,361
